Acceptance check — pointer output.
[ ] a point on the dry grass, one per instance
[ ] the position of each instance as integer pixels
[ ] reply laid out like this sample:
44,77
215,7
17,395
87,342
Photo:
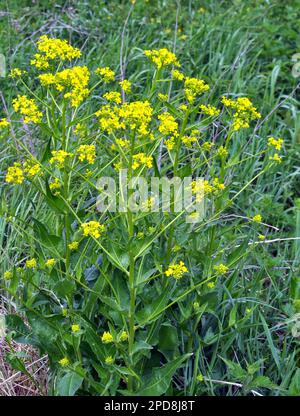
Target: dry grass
13,382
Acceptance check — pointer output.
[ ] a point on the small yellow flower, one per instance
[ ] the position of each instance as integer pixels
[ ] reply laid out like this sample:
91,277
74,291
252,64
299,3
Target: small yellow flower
200,378
87,152
168,124
7,275
59,157
196,305
257,218
92,229
107,338
75,328
27,108
141,159
276,143
15,174
124,336
3,123
55,184
107,74
248,311
261,237
64,362
31,168
109,360
206,146
31,263
162,57
50,262
176,270
221,268
211,285
209,110
73,246
222,152
125,85
16,73
113,96
276,158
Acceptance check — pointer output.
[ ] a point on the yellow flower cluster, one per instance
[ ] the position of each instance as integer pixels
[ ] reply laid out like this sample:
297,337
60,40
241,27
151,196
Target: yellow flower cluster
179,76
16,73
141,159
55,184
31,168
75,328
170,142
276,158
107,74
31,263
109,360
7,275
125,85
221,268
113,96
92,229
120,143
50,49
73,246
257,218
276,143
15,174
201,188
189,140
194,87
176,270
74,79
109,119
134,115
206,146
3,123
64,362
167,125
87,152
244,112
162,57
124,336
107,338
28,108
50,262
58,157
222,152
209,110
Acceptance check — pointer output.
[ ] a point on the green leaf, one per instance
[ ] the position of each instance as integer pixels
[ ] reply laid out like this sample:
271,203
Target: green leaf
48,240
262,382
253,368
168,340
160,379
235,369
22,333
69,384
273,349
294,389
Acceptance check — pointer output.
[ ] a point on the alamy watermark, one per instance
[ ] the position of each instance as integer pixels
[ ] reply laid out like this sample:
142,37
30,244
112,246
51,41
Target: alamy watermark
153,194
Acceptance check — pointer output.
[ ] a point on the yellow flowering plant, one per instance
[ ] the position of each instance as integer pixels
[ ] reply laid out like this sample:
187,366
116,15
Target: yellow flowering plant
110,294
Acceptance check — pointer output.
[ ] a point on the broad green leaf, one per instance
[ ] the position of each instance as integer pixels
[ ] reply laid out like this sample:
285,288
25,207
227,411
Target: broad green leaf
69,384
158,383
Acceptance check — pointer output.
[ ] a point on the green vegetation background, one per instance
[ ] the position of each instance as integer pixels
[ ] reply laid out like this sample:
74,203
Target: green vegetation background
244,47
